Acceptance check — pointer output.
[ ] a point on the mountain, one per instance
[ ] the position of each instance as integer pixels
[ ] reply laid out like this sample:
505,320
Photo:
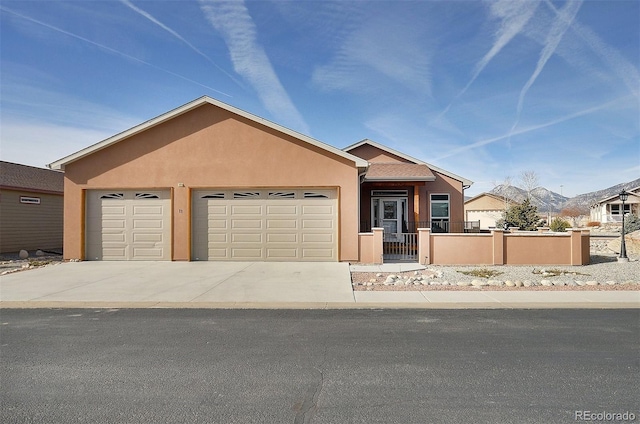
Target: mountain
548,201
583,202
545,200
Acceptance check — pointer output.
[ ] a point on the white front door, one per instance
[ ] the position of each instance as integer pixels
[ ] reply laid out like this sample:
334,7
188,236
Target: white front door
389,213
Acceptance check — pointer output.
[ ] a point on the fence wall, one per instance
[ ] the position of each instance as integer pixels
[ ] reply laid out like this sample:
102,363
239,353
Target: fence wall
503,248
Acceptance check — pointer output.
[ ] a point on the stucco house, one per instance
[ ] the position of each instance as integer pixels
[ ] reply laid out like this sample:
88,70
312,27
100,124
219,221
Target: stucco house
487,208
208,181
610,210
31,208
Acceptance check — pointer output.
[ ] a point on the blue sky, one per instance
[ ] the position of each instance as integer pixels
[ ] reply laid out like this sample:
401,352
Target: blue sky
485,90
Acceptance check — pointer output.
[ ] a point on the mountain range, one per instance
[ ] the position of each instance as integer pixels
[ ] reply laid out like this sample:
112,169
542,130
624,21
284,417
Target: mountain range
549,201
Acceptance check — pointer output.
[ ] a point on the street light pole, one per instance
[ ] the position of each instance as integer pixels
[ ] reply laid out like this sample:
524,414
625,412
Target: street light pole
623,248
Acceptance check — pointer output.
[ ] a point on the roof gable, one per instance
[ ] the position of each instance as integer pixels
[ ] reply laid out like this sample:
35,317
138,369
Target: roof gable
17,176
61,163
634,192
408,158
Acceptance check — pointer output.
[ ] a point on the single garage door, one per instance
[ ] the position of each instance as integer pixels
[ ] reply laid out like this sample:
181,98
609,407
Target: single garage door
265,225
128,225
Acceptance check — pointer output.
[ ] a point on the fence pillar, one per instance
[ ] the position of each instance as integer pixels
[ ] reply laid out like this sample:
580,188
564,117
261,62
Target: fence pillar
377,245
498,246
424,246
576,246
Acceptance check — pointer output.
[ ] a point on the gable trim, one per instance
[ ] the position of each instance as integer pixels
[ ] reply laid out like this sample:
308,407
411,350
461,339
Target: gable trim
61,163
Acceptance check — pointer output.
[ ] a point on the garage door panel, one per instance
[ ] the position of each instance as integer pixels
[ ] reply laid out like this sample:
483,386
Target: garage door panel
317,253
246,210
240,253
317,238
282,223
317,223
246,223
288,254
288,210
317,210
246,238
282,237
265,224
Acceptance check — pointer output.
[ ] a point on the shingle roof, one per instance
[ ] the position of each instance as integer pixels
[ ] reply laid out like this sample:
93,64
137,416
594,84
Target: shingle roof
399,172
13,175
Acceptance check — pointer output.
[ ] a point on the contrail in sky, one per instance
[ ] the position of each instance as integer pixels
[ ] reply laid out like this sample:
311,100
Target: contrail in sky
109,49
179,37
532,128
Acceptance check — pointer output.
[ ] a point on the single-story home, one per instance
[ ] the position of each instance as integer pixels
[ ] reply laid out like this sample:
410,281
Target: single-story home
208,181
487,208
610,209
31,208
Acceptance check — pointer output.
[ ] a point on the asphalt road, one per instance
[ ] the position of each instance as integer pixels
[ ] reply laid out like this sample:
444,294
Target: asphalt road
363,366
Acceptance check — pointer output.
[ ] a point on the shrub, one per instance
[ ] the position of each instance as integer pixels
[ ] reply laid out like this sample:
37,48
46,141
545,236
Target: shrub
593,224
631,223
559,225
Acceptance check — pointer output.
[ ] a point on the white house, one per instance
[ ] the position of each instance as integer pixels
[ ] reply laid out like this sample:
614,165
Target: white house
610,208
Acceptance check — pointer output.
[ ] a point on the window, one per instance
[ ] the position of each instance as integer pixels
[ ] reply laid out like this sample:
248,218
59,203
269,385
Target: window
246,195
440,213
282,195
314,195
113,196
213,196
146,196
615,208
30,200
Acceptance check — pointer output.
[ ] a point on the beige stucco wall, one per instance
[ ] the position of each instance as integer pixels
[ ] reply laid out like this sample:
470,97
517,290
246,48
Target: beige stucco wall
499,248
30,226
375,155
484,203
209,147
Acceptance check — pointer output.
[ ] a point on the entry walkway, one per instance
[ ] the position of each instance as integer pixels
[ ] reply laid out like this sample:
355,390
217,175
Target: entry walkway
256,285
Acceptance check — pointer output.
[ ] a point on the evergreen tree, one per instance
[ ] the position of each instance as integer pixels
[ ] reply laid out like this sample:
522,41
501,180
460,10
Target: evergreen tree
524,216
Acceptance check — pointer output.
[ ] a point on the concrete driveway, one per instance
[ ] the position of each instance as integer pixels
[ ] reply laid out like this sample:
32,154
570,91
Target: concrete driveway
191,283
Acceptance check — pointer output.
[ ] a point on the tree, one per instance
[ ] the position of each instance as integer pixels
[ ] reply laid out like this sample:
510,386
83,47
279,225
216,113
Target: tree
573,213
524,216
529,181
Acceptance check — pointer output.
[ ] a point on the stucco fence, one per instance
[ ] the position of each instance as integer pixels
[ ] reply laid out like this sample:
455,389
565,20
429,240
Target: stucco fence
499,247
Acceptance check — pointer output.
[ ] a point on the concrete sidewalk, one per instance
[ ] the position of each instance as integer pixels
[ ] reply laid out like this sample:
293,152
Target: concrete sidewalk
256,285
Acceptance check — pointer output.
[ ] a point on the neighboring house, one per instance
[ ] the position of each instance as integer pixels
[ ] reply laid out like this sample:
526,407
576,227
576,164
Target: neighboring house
31,208
208,181
610,209
486,208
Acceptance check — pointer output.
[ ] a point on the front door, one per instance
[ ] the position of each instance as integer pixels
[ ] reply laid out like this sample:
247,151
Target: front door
389,213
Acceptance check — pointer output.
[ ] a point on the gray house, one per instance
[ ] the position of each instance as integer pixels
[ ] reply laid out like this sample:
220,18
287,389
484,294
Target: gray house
31,208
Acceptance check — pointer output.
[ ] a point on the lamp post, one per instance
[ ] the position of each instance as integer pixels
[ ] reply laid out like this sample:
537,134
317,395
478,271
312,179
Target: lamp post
623,249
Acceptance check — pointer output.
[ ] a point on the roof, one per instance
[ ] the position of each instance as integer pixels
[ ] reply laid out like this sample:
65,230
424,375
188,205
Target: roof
30,178
61,163
465,182
399,172
616,197
495,196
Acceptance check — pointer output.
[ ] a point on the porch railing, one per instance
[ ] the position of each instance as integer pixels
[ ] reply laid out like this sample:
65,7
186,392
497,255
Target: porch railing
437,226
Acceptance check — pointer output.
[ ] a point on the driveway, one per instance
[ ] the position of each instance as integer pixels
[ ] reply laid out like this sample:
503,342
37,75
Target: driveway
181,282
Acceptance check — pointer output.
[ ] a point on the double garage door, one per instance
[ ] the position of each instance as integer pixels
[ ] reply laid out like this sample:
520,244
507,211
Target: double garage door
265,225
243,225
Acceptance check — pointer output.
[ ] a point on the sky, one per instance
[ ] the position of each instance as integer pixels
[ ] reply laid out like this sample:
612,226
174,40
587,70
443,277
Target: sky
484,89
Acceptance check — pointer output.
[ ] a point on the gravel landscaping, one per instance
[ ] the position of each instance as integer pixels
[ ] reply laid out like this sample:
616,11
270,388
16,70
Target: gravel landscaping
604,273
